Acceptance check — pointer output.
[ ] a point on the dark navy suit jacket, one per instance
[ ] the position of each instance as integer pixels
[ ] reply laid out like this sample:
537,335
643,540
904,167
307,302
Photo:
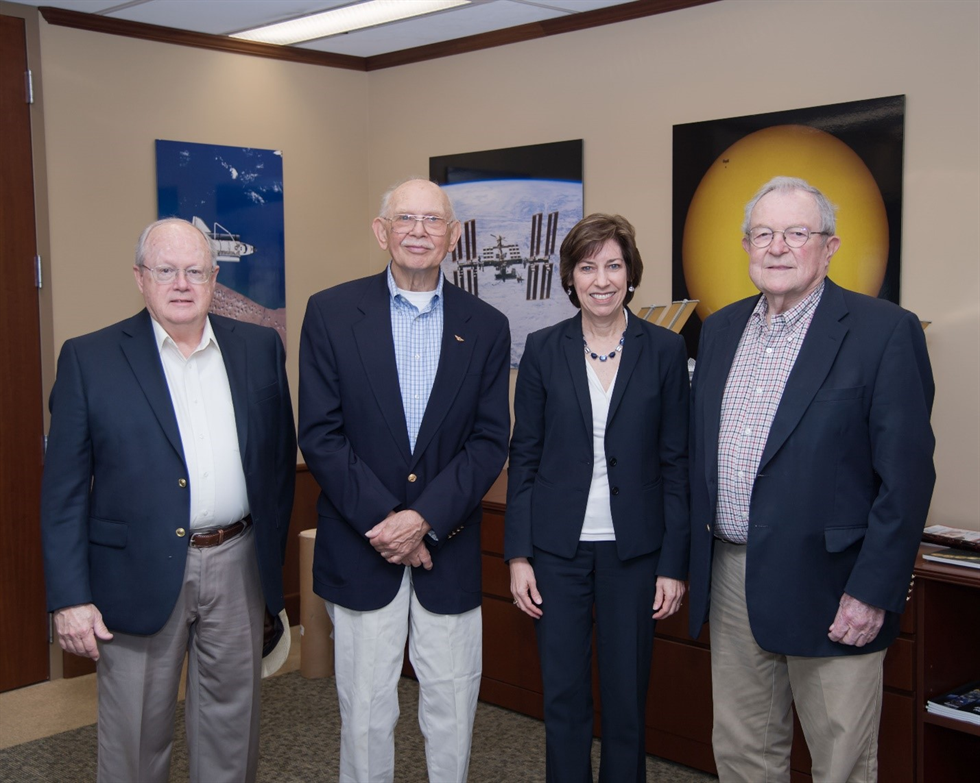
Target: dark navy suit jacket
845,480
354,439
551,457
115,487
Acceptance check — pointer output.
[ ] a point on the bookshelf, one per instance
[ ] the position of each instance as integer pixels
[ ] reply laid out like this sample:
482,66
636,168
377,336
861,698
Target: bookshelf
947,615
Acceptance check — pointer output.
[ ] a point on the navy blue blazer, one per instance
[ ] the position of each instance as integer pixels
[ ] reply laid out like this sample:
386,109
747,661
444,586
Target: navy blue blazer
354,438
115,486
845,480
551,453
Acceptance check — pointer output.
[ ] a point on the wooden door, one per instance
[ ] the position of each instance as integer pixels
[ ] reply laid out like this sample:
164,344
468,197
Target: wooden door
23,619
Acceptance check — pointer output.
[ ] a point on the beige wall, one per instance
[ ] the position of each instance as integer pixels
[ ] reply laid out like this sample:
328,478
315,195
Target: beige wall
108,98
621,88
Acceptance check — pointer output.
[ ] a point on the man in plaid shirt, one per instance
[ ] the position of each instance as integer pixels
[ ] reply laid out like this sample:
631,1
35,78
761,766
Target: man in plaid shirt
812,473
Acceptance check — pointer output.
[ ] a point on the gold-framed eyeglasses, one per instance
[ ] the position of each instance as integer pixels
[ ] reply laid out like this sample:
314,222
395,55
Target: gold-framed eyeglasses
794,236
432,224
195,275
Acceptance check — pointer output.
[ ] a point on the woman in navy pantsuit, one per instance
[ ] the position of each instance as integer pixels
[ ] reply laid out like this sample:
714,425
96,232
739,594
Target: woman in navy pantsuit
597,501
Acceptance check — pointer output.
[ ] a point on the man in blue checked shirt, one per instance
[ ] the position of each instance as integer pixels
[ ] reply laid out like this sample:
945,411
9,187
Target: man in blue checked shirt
404,420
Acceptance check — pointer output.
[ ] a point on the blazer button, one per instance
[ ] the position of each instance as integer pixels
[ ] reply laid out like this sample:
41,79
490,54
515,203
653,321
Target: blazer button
708,528
412,478
613,462
182,483
181,532
614,491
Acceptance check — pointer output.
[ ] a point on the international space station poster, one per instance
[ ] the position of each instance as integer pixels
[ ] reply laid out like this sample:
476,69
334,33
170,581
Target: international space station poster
515,205
235,196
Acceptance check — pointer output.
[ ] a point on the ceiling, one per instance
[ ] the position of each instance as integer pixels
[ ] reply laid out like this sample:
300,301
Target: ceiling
221,17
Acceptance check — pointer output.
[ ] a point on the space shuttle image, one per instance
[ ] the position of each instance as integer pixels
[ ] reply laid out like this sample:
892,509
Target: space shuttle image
227,246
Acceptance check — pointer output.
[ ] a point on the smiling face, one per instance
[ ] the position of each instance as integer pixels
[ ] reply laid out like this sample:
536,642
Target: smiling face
600,282
415,256
178,306
787,275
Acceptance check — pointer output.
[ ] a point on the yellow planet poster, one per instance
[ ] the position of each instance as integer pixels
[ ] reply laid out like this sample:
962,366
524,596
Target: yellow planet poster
852,152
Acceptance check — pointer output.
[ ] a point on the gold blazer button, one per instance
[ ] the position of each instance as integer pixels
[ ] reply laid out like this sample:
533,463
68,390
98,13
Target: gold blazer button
412,478
181,532
182,483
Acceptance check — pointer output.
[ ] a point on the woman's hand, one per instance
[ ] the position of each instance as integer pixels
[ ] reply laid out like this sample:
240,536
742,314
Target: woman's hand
524,588
666,601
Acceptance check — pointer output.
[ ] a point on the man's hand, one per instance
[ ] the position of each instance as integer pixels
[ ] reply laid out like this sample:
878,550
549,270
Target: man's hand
398,535
420,557
856,623
667,599
77,628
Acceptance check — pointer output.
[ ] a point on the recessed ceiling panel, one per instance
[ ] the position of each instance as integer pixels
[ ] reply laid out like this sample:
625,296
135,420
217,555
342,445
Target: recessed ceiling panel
221,17
444,26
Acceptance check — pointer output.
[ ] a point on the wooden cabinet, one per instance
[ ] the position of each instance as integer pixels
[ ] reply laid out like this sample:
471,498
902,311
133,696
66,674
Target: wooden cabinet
937,650
947,655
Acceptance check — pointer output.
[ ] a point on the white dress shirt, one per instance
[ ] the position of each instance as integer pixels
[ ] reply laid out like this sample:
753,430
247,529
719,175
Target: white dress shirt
201,398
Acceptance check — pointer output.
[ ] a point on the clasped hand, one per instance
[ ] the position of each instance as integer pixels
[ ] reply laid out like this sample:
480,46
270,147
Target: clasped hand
398,538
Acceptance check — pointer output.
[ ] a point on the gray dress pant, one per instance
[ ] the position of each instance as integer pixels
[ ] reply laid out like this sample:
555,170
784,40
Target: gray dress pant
217,622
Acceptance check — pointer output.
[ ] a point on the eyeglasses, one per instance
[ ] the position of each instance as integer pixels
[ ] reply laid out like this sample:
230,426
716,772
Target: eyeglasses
433,224
195,275
794,236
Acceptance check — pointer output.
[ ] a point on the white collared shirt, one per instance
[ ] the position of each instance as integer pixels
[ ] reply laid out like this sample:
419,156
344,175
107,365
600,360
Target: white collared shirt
201,397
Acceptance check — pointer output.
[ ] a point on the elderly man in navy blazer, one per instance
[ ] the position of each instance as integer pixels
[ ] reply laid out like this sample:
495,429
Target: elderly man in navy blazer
404,423
168,485
811,478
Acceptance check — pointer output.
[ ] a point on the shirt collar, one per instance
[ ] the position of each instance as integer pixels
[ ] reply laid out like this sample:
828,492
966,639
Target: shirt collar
397,297
796,315
162,338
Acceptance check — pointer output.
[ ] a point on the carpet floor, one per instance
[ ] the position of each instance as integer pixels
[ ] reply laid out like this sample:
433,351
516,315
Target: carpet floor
300,743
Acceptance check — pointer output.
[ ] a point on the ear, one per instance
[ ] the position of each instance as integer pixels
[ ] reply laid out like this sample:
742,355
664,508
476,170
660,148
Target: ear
380,232
745,244
833,244
454,236
139,277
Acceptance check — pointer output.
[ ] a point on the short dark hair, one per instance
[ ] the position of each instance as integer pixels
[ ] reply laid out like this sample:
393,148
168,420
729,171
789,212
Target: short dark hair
587,237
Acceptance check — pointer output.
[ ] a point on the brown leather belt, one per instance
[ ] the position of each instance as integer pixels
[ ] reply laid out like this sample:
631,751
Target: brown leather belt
218,535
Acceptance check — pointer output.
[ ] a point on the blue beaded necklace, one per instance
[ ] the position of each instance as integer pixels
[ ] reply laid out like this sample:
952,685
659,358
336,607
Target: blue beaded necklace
611,354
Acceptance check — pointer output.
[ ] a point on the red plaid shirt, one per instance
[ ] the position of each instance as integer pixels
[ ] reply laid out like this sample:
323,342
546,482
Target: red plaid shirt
764,359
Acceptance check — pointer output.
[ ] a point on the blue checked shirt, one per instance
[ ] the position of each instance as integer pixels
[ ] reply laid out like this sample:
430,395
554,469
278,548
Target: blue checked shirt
418,343
764,359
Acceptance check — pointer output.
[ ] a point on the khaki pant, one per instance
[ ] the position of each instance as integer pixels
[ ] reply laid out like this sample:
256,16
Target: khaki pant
838,699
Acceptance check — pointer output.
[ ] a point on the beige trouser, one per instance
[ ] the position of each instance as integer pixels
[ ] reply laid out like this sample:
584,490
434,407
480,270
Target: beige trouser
217,621
446,651
838,699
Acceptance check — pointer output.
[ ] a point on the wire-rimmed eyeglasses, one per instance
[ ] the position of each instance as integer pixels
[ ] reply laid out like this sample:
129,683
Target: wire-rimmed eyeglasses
794,236
433,224
195,275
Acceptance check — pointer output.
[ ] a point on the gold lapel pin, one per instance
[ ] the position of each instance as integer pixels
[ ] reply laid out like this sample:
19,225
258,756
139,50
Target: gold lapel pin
458,338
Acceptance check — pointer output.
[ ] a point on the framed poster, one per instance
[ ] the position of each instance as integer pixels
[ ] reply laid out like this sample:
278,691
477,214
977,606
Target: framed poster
235,196
515,205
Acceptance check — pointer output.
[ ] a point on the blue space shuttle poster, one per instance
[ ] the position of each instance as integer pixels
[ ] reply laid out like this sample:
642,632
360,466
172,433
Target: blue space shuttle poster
235,196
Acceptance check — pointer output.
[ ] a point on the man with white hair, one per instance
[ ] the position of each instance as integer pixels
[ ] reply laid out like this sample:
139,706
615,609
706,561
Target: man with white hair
167,491
403,421
811,477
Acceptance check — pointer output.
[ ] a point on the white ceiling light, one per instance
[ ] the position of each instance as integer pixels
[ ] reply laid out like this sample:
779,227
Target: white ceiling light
342,20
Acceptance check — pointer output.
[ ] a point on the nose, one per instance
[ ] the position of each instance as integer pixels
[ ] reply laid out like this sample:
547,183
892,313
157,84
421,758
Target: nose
418,229
778,245
180,280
